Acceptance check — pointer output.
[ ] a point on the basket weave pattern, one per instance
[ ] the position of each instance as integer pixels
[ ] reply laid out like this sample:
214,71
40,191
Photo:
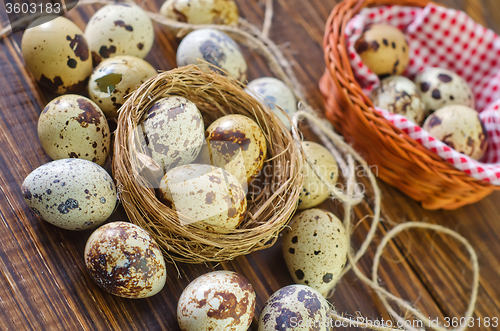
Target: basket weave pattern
402,161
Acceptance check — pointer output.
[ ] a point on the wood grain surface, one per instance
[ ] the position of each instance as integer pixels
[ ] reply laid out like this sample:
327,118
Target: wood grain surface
43,281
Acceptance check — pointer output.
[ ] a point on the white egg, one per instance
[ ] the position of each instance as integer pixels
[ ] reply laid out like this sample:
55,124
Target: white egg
274,93
315,249
173,131
115,78
73,126
314,191
214,47
205,193
219,300
297,308
441,87
119,29
201,11
124,260
73,194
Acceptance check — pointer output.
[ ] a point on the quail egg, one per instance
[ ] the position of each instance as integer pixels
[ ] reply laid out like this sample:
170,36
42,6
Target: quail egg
205,193
400,95
119,29
201,11
275,93
216,48
314,191
73,194
57,54
460,128
440,87
73,126
113,79
315,249
219,300
173,131
237,144
295,307
124,260
383,48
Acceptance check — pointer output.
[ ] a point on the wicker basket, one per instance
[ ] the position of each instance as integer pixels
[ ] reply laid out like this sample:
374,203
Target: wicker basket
402,161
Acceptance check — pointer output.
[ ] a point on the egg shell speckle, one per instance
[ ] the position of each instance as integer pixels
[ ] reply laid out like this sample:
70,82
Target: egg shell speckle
315,249
313,190
460,128
57,55
274,93
219,300
441,87
72,126
400,95
124,260
295,307
119,29
214,47
73,194
205,193
201,11
383,48
237,144
173,131
115,78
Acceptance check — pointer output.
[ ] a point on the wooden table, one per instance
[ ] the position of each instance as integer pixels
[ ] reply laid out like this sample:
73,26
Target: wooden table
43,281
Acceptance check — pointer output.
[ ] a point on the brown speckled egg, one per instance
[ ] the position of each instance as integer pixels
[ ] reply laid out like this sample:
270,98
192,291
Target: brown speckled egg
57,55
460,128
119,29
74,126
400,95
115,78
219,300
124,260
383,48
237,144
315,249
173,131
73,194
205,193
440,87
201,11
314,191
295,307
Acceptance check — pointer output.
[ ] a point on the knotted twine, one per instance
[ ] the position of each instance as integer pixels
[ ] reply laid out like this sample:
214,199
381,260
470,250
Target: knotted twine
258,40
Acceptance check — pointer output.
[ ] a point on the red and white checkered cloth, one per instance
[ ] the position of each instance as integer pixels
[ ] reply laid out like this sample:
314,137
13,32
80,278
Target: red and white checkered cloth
445,38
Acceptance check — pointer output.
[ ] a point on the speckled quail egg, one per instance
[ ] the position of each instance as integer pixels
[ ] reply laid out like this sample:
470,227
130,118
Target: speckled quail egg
73,194
219,300
275,93
383,48
214,47
124,260
57,54
297,308
314,191
205,193
315,249
400,95
173,131
73,126
460,128
237,144
119,29
113,79
201,11
440,87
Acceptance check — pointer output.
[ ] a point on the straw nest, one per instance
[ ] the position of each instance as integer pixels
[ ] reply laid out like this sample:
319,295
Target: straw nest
269,208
